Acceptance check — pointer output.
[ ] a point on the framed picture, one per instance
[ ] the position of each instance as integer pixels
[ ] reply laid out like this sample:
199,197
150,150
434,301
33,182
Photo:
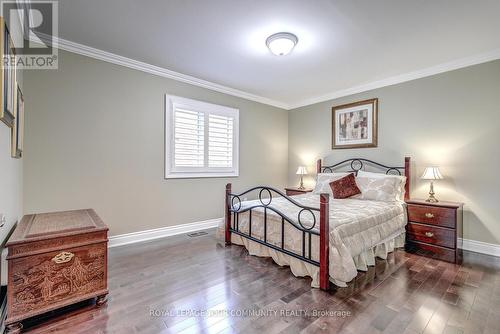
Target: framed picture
354,125
18,128
8,86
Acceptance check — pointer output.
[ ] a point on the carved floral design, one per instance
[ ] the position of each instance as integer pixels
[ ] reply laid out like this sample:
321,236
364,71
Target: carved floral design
48,281
25,296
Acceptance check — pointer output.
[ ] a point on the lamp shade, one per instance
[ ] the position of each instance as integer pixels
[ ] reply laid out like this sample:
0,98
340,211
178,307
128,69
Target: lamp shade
432,173
301,170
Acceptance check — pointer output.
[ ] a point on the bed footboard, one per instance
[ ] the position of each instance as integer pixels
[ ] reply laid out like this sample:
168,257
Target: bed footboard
233,208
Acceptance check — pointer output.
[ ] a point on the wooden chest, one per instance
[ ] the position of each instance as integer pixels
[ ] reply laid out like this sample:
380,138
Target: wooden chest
55,259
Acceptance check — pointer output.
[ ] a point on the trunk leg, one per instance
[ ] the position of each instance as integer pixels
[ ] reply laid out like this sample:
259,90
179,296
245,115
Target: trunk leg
101,300
14,328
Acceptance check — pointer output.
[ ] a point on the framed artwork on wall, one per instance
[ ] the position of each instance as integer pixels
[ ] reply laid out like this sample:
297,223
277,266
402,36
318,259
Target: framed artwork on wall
18,128
354,125
8,86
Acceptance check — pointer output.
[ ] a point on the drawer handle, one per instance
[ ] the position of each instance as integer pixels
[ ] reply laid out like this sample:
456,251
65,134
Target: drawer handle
429,234
63,257
429,215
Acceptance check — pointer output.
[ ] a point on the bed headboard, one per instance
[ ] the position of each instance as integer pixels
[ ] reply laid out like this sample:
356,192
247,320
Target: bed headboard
357,164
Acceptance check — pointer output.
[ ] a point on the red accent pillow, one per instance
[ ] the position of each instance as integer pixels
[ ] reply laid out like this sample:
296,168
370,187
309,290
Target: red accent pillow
345,187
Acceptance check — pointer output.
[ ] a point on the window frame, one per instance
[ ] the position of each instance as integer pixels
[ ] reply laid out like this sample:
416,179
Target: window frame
173,172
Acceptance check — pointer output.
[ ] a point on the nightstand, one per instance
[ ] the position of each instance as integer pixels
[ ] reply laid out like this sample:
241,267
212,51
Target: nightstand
292,191
435,228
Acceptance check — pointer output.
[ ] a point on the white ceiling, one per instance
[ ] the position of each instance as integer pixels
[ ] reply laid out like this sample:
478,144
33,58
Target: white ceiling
342,43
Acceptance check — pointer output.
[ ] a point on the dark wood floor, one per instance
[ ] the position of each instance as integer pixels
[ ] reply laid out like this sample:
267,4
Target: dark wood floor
405,294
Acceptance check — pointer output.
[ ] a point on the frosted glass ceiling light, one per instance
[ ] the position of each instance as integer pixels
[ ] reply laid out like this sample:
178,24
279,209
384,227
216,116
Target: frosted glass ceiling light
281,43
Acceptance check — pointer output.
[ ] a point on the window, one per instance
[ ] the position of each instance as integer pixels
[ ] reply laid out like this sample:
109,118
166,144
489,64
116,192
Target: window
201,139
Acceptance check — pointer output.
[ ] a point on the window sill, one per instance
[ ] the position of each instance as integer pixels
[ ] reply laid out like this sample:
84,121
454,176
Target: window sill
199,175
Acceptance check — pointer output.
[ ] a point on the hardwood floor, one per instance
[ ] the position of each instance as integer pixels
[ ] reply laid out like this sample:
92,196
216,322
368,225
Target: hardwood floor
407,293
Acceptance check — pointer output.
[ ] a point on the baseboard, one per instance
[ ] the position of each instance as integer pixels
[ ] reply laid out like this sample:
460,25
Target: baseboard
480,247
131,238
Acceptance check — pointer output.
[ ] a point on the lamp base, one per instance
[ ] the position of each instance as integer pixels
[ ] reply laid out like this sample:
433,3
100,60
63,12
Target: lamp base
432,199
301,185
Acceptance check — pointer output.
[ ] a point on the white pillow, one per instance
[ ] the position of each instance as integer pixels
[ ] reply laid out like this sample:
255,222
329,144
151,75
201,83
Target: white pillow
378,189
323,182
402,179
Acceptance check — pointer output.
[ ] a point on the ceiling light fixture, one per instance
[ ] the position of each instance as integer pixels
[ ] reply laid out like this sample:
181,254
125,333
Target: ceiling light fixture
281,43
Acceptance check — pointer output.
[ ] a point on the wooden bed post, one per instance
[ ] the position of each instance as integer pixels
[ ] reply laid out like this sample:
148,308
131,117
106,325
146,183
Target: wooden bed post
408,175
227,215
324,241
318,166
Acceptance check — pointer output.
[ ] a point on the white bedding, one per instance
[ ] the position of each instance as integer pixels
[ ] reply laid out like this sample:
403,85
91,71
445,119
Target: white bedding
359,231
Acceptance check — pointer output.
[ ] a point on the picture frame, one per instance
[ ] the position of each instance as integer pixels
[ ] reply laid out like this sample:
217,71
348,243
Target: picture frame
355,125
18,128
8,85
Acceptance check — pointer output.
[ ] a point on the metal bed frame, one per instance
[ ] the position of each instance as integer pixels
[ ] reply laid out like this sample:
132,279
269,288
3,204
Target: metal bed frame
233,208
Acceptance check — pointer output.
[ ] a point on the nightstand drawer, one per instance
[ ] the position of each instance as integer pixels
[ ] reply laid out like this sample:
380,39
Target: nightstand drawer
437,252
432,235
439,216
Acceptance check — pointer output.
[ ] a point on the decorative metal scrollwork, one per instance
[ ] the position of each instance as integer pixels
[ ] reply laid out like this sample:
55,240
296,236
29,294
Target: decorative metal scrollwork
300,221
270,196
393,171
356,165
232,202
264,205
266,201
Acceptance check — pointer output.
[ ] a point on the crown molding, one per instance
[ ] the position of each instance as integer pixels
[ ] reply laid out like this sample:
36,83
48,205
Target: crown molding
112,58
109,57
426,72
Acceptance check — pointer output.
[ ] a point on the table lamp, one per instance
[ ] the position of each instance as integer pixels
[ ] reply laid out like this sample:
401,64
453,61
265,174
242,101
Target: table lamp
432,173
301,171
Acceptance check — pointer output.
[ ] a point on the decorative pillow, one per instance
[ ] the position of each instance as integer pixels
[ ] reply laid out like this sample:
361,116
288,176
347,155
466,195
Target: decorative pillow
402,180
379,189
323,182
345,187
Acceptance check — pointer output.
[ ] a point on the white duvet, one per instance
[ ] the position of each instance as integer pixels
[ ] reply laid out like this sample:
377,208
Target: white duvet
359,231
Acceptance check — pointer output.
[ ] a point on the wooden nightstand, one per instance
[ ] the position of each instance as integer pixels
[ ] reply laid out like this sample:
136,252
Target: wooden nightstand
291,191
435,229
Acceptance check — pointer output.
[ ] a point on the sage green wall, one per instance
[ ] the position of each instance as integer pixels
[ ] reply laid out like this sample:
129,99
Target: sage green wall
95,138
451,120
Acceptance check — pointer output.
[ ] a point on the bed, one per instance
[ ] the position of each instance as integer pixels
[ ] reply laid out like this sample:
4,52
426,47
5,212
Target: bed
315,234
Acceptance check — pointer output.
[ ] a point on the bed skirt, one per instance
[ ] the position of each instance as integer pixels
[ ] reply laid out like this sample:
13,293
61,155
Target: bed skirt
303,269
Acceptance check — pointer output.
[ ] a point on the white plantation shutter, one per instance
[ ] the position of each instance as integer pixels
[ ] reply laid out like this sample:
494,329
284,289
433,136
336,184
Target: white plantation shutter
201,139
220,141
189,138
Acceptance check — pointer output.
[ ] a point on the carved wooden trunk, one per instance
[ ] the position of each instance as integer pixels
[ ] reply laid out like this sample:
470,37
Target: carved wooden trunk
55,259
